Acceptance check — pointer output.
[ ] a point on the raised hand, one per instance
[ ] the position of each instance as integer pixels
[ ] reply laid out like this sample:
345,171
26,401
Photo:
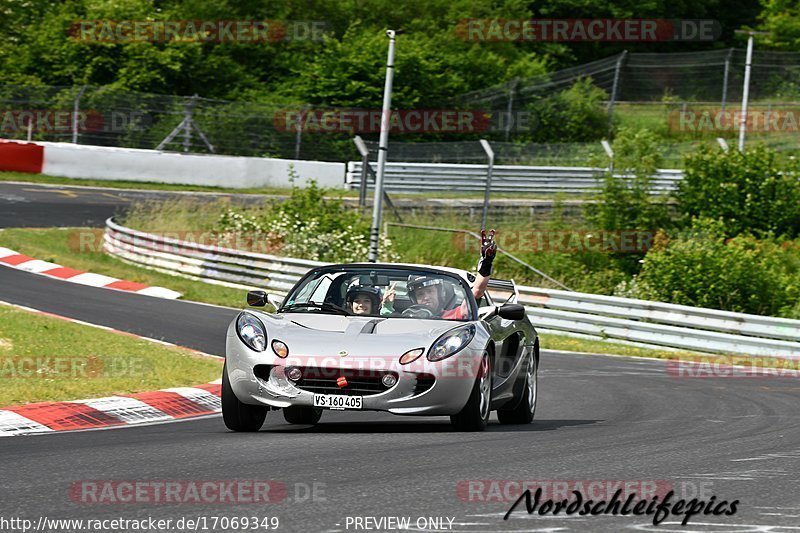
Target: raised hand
390,293
488,245
488,251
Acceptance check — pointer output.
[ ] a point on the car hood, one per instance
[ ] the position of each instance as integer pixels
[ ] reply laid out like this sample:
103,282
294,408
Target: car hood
328,335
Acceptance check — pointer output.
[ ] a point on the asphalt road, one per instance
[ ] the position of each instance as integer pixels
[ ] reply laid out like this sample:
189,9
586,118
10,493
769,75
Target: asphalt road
600,419
36,205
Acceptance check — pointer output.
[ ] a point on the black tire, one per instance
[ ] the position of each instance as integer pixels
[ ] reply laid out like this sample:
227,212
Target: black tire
302,415
239,416
526,407
475,414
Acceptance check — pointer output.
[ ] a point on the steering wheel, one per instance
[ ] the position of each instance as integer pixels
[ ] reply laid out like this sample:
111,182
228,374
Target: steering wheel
418,311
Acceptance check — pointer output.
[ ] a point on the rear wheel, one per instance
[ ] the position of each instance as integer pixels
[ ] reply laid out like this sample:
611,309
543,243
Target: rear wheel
302,415
524,411
239,416
475,415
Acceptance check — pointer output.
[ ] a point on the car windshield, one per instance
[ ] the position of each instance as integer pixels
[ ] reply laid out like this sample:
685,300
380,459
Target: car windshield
382,292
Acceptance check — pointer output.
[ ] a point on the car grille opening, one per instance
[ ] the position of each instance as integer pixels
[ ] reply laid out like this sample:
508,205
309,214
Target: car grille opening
262,372
424,383
359,382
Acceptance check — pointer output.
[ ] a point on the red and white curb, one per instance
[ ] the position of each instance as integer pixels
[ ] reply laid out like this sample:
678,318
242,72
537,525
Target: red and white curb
19,261
113,411
141,408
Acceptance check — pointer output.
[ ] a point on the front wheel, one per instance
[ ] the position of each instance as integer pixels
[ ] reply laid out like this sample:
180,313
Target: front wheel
302,415
525,409
475,415
239,416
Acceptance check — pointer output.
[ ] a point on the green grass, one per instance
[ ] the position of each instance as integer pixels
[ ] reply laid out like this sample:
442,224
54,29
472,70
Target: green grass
587,271
54,245
48,359
576,344
62,246
147,185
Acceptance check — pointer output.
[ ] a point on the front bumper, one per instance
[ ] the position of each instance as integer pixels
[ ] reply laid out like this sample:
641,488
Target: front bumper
453,379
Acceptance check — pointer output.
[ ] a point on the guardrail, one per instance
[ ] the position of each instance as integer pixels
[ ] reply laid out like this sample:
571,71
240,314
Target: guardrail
638,321
422,177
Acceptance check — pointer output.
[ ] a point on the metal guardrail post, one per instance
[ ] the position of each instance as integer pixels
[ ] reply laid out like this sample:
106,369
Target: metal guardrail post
489,169
725,80
76,109
615,88
364,151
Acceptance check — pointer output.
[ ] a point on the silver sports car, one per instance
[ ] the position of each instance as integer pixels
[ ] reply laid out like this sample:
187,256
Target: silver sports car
407,339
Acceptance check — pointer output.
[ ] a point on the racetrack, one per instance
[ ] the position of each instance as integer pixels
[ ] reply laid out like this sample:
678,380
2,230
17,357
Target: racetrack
35,205
599,418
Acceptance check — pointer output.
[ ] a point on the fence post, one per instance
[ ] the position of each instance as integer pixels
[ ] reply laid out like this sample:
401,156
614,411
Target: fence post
298,138
511,91
610,153
364,151
489,170
725,80
76,108
746,91
187,123
615,87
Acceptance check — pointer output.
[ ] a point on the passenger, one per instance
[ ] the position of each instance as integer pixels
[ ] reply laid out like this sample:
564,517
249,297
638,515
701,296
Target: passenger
430,291
362,299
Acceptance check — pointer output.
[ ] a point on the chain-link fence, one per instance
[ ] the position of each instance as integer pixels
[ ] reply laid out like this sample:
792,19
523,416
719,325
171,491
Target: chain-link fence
666,93
107,116
710,77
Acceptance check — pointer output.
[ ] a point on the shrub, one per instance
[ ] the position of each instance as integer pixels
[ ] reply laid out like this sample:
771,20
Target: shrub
749,191
625,201
700,267
576,114
308,226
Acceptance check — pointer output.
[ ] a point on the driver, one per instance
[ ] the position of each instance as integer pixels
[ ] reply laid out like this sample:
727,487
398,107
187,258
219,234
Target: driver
430,291
362,299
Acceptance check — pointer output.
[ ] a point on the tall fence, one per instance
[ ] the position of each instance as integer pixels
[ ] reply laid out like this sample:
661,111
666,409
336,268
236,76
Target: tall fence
663,83
715,76
565,312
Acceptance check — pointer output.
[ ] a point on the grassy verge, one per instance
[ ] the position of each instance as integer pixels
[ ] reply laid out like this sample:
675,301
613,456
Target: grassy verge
587,271
62,246
148,185
575,344
47,359
53,245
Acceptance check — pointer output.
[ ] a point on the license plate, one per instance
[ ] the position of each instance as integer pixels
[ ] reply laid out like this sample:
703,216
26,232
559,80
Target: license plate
333,401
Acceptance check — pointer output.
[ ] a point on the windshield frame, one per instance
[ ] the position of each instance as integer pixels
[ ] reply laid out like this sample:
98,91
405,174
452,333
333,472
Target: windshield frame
318,272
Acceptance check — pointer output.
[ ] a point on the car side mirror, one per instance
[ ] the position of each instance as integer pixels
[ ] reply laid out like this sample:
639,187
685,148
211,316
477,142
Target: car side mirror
511,311
486,312
275,301
257,298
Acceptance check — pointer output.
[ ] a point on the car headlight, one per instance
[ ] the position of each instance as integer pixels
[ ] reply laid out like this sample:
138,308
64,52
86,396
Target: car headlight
252,332
451,342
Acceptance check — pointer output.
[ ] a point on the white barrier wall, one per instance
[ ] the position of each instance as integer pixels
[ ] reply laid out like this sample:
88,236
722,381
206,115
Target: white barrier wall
107,163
